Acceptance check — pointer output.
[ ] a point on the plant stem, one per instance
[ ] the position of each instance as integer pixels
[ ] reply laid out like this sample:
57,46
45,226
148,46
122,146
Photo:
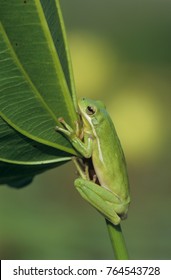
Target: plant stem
118,241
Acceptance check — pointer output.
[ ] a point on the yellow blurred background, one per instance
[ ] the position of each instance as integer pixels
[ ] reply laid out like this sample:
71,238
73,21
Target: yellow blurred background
121,54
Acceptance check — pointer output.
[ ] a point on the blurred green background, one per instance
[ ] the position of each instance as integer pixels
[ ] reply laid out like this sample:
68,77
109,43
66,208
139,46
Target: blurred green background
121,54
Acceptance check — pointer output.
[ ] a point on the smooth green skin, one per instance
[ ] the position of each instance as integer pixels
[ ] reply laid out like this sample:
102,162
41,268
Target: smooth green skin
100,141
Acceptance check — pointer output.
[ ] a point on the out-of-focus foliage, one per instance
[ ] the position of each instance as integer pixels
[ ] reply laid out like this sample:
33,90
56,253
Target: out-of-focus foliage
122,48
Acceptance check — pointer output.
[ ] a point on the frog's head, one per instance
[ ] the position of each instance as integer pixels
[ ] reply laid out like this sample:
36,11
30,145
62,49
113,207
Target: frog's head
92,111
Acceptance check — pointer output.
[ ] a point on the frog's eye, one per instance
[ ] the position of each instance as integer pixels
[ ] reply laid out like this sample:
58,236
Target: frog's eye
90,110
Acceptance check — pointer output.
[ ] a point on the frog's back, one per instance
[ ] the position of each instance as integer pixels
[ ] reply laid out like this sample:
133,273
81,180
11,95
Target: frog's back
108,154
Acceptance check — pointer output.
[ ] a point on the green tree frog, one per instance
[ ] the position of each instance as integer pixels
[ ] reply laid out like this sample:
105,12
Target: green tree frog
108,192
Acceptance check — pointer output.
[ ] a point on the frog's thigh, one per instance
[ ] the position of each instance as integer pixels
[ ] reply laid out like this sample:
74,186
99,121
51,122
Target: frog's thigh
102,199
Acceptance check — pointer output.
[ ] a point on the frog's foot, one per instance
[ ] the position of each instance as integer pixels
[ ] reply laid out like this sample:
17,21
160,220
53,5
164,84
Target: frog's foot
66,129
83,146
94,178
82,168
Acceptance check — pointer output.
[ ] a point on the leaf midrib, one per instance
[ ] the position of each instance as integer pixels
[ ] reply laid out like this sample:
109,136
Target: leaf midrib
31,163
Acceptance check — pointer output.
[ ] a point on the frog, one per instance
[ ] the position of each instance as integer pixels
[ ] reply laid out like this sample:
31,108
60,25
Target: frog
108,190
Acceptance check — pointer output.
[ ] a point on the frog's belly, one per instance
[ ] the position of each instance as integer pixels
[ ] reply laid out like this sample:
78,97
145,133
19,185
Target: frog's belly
112,177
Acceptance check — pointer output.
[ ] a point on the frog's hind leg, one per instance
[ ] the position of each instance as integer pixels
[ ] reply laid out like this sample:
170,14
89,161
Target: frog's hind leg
98,197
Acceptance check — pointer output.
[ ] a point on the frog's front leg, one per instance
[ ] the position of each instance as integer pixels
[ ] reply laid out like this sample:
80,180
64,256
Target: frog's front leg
100,198
83,147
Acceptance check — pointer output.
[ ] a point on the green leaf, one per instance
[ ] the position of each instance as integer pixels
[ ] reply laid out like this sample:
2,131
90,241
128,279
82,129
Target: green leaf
21,175
36,88
15,148
22,158
56,26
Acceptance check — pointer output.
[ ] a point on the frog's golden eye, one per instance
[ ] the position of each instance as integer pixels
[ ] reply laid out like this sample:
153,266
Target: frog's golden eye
90,110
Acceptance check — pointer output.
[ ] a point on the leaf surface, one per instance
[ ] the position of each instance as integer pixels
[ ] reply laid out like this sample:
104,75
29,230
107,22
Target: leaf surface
36,88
